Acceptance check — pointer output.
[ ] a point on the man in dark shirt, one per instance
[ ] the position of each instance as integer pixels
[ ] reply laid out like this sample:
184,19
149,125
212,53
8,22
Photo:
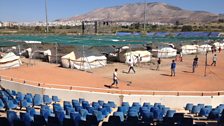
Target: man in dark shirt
173,68
158,64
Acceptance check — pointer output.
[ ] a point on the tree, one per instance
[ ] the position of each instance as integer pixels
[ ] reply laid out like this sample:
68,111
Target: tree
177,23
187,28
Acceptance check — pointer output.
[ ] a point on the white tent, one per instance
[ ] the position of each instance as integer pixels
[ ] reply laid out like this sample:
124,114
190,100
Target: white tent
135,56
189,49
90,62
84,62
164,52
10,60
67,60
204,48
218,44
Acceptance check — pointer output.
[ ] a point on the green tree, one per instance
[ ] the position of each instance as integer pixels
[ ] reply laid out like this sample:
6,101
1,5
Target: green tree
187,28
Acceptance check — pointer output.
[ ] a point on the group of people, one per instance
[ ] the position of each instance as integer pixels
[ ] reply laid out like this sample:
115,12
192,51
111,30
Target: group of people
172,66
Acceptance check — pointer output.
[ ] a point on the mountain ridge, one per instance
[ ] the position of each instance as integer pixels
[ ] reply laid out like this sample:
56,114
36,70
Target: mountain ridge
154,12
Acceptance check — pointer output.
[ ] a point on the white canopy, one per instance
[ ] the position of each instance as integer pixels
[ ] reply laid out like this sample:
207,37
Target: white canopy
83,63
204,48
10,60
136,56
67,60
165,52
189,49
218,44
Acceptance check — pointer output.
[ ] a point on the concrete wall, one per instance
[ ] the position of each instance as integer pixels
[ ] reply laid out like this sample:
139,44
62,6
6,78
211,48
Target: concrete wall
177,102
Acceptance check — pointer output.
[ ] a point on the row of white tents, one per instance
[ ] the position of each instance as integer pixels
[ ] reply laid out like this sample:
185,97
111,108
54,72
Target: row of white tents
127,55
90,60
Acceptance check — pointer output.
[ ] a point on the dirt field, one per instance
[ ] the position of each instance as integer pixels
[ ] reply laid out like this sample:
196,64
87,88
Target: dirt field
145,79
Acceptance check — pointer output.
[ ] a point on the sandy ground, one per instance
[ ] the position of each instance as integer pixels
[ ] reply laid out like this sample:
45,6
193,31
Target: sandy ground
144,80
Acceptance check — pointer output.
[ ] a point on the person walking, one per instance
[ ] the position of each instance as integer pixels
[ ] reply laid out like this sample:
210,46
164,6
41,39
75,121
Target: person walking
194,65
131,66
173,68
214,60
196,61
158,64
115,78
181,57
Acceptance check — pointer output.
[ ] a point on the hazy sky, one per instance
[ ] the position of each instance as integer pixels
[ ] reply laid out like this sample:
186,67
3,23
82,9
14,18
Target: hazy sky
34,10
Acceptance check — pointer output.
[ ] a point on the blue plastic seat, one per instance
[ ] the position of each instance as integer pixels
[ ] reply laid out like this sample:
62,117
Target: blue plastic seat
91,109
55,99
204,112
91,120
67,104
37,100
136,104
69,110
60,115
146,104
2,105
47,99
57,107
157,113
20,96
195,109
53,121
101,102
157,104
125,104
123,109
26,119
120,114
114,121
112,104
14,92
12,117
189,107
83,113
31,111
76,117
214,114
81,99
209,107
24,104
28,98
85,104
108,108
39,120
75,102
170,113
147,116
201,105
11,104
96,105
132,114
99,115
45,113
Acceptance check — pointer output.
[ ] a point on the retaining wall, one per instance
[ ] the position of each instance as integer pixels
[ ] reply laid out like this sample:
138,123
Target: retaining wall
177,102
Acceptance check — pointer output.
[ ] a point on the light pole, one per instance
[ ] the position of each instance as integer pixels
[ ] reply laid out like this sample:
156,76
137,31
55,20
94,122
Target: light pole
206,62
144,14
56,53
46,16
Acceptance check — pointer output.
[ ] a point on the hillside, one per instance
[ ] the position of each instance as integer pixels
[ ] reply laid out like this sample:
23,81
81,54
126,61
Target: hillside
155,12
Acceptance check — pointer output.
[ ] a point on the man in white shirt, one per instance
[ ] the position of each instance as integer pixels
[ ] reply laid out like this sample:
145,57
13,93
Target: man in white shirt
131,66
115,78
214,59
